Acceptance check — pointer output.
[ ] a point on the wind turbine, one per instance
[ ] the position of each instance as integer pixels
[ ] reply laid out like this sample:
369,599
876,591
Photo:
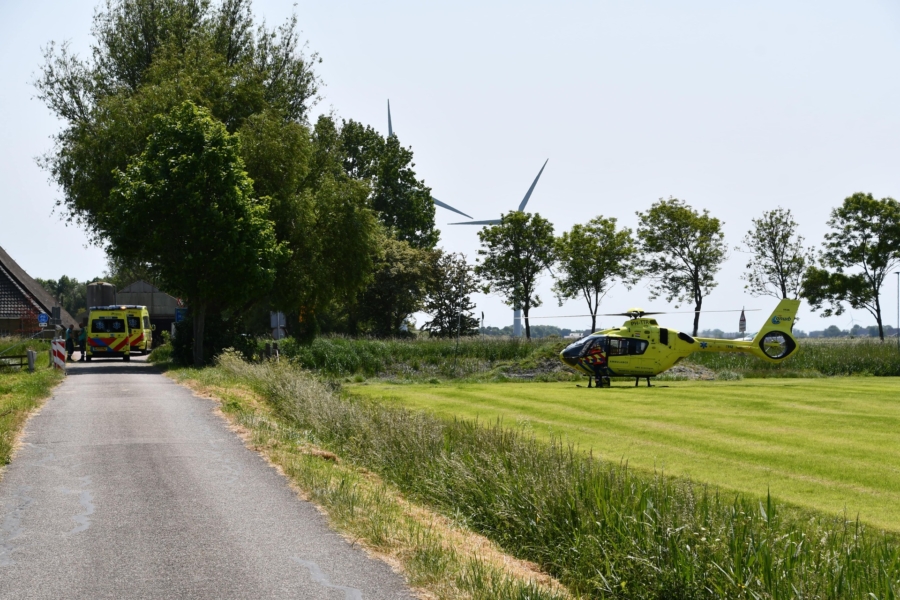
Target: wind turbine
521,204
517,312
433,199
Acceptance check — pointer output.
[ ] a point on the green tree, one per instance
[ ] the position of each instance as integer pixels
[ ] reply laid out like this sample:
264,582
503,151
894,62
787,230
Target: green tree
682,250
186,207
778,259
865,237
320,213
398,287
449,301
403,203
591,258
148,57
70,293
515,252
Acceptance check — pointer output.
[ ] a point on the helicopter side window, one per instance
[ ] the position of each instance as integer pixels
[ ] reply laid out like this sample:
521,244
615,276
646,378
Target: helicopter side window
637,346
618,346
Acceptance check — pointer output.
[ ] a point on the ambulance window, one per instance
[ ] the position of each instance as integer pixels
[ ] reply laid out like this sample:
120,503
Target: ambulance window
134,322
637,346
107,326
146,322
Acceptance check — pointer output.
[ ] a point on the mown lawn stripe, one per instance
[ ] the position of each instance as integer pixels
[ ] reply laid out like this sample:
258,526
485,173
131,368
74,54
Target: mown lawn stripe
831,444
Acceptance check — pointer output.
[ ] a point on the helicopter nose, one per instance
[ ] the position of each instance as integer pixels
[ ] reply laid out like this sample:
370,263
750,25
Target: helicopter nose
569,360
569,357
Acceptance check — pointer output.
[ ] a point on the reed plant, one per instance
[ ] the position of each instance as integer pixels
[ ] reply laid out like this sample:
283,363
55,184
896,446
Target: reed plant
338,356
604,530
815,357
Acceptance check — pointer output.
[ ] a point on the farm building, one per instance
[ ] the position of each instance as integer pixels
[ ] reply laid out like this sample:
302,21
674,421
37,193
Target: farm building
160,305
22,299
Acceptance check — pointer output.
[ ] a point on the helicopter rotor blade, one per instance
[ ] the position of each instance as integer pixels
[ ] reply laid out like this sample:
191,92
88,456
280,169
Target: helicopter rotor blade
531,189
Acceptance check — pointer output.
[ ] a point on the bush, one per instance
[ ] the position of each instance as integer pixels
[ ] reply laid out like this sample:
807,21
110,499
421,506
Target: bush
219,334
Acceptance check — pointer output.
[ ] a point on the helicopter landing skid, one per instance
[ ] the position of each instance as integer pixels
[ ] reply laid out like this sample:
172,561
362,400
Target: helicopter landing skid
637,379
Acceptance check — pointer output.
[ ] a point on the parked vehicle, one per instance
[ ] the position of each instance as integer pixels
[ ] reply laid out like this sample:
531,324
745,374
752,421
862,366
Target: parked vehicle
108,333
141,331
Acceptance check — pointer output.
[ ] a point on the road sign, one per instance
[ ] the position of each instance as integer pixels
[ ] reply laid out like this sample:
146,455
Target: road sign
43,319
180,314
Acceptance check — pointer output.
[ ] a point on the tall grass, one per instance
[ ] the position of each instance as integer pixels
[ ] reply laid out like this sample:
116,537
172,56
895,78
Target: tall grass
603,530
339,356
20,393
825,357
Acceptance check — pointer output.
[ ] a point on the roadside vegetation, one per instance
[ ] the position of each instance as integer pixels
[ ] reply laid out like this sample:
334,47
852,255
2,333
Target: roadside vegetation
603,529
502,359
438,555
21,392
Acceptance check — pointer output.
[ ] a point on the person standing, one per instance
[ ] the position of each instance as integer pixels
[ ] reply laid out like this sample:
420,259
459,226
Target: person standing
82,339
70,342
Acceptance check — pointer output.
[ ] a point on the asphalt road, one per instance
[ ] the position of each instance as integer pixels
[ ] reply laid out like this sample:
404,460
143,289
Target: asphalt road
129,486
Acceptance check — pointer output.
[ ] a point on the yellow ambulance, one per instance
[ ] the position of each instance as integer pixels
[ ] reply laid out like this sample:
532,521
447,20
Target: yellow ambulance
108,335
139,326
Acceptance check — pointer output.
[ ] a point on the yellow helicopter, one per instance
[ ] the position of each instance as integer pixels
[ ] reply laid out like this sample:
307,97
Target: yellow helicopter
641,348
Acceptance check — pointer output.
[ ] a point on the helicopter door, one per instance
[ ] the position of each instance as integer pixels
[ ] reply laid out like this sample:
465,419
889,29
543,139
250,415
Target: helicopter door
627,356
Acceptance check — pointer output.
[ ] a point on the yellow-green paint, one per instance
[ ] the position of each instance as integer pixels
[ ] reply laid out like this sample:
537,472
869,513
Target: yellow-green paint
831,444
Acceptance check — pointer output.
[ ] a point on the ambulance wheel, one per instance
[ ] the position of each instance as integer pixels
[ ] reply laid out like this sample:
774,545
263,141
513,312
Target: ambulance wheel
126,358
88,358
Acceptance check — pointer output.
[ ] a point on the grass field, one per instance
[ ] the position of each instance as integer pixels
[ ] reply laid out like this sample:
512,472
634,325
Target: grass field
831,444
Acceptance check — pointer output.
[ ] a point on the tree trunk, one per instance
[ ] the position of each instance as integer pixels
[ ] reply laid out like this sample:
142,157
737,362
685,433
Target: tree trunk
697,315
878,316
199,321
593,322
527,325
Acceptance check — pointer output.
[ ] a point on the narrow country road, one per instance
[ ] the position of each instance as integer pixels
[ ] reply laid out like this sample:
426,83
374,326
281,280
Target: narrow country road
129,486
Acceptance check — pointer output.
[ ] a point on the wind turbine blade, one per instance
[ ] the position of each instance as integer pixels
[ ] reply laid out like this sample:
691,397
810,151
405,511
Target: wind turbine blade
531,189
488,222
390,126
448,207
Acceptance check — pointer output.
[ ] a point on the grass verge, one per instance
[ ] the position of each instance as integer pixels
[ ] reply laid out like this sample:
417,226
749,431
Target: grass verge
20,393
440,558
603,529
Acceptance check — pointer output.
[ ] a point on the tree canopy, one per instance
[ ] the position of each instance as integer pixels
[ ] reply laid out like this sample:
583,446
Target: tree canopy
779,259
186,207
865,238
148,57
591,258
403,203
682,250
448,300
515,253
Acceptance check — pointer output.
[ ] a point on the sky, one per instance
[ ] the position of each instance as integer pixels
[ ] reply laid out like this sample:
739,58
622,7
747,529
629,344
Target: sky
733,107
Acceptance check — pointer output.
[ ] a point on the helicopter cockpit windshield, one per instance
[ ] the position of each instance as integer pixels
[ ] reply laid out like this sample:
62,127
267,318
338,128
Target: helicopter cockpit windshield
581,347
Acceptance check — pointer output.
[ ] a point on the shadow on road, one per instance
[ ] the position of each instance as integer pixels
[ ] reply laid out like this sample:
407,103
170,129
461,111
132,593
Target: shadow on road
138,365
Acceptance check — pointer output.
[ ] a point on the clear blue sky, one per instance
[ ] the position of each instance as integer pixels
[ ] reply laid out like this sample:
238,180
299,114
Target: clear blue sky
732,106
